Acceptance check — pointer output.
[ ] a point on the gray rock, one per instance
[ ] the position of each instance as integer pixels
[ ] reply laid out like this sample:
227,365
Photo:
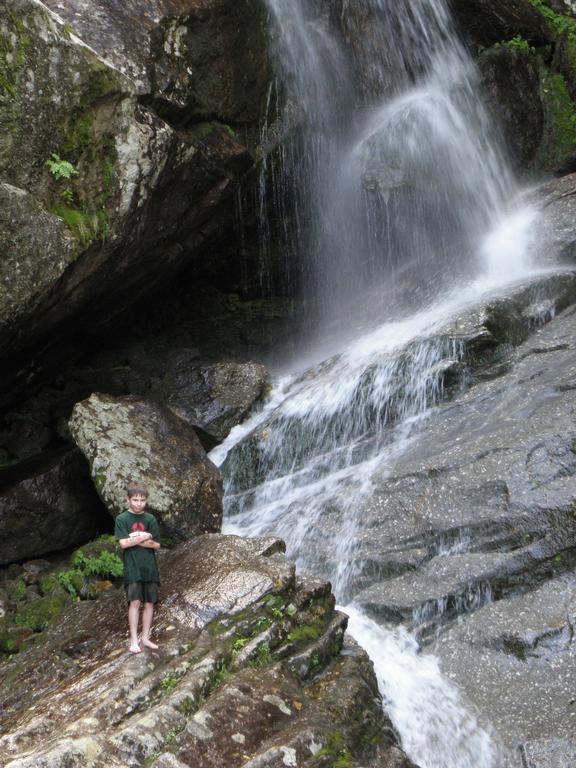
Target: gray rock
511,84
485,22
53,509
36,250
558,200
214,397
128,439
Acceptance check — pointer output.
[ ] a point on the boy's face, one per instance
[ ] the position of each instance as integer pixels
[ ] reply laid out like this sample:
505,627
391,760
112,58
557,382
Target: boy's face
137,503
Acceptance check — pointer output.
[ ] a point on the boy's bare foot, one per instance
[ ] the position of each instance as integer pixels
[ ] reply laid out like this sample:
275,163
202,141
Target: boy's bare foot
149,644
135,649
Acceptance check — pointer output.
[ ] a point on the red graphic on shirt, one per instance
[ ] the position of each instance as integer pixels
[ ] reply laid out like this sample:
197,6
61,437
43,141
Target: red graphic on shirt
138,526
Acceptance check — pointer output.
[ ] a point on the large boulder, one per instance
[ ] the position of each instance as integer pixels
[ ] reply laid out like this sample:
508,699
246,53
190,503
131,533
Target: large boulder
47,506
128,439
263,684
114,140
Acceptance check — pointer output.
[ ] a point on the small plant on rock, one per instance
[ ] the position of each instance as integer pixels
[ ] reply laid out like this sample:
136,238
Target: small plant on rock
61,169
262,656
168,683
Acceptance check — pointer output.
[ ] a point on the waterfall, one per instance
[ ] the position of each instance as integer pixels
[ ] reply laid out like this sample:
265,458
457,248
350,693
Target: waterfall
398,202
391,165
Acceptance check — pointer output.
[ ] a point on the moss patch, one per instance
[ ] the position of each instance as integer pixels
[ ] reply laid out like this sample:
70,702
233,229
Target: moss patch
39,614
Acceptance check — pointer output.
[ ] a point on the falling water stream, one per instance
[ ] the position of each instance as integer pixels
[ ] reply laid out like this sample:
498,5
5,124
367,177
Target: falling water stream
402,214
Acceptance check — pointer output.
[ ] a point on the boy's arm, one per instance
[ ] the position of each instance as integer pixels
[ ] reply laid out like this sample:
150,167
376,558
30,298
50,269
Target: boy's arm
154,541
150,544
135,541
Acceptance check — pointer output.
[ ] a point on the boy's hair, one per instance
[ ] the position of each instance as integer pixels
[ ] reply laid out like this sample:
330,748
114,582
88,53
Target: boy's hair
136,489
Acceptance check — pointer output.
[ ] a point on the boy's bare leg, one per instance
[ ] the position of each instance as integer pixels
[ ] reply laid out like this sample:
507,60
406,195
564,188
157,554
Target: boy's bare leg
133,616
147,615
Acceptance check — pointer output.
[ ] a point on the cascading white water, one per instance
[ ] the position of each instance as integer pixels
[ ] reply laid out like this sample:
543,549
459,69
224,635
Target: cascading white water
396,183
392,164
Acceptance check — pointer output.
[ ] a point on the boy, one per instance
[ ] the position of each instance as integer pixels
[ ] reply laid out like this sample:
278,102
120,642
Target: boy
138,535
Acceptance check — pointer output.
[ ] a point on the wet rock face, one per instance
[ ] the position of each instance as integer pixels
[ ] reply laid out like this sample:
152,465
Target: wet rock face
262,685
559,203
511,82
476,524
214,397
131,439
53,508
485,22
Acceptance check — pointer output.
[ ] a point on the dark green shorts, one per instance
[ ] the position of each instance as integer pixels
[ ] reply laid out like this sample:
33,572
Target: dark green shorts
145,591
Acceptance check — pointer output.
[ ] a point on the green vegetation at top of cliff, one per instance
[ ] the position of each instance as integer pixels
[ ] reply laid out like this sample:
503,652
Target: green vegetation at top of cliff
517,43
564,27
561,24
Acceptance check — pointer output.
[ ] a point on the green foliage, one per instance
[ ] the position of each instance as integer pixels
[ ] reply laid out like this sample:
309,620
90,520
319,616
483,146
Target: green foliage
218,628
521,45
315,661
562,111
261,657
85,225
336,749
72,581
303,634
262,623
277,613
61,169
106,565
38,614
561,24
18,591
239,643
221,674
168,683
171,738
187,707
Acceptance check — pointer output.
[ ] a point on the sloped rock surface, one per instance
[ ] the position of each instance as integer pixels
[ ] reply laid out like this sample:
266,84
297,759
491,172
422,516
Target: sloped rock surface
128,439
476,523
214,694
205,57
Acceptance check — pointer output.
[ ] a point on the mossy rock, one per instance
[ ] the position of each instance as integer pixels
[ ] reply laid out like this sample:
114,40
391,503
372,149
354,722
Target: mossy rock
105,543
39,614
16,590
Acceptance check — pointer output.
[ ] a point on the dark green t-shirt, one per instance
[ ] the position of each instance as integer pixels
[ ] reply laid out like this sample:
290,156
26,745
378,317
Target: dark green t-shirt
139,562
